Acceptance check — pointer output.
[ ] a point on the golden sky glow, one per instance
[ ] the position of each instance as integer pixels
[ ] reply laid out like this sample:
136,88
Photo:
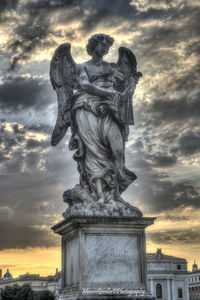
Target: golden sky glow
41,261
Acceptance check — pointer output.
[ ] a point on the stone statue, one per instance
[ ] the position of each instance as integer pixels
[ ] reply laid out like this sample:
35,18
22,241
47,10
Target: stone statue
95,101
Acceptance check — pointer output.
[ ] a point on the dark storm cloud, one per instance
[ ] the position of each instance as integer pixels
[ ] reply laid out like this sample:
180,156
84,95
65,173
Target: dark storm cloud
38,26
16,138
24,236
168,115
39,128
17,129
31,34
142,151
176,102
113,10
187,81
190,143
21,153
182,26
33,178
15,163
29,37
35,202
49,4
7,5
103,10
32,159
32,144
2,157
139,144
170,52
13,145
164,194
187,236
164,161
22,93
166,110
169,127
154,190
147,151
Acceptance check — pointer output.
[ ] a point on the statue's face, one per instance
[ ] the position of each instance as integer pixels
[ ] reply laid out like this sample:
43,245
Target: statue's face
101,48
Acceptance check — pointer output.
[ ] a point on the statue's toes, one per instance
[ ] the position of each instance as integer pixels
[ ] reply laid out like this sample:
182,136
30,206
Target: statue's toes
101,200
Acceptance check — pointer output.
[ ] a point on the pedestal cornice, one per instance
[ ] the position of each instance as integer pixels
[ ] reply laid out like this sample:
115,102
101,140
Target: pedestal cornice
75,221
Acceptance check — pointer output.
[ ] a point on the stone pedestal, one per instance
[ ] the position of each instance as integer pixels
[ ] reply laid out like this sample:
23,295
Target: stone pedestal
103,258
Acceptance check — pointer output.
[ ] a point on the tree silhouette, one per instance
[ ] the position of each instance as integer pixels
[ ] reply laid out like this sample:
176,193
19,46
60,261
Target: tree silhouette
24,292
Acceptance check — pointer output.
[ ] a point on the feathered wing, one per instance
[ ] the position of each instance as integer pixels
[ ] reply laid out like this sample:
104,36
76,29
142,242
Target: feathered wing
63,80
127,65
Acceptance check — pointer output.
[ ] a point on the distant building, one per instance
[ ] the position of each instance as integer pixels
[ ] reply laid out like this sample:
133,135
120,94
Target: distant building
35,281
7,276
194,283
38,283
0,274
167,276
54,283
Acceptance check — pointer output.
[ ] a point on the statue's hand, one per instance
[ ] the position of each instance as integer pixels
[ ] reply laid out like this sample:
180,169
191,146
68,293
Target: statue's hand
137,76
116,101
119,76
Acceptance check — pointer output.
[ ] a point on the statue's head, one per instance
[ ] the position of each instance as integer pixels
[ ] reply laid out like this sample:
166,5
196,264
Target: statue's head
99,44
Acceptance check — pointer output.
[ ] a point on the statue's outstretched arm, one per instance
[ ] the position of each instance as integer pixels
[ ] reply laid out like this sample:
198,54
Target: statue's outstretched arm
91,88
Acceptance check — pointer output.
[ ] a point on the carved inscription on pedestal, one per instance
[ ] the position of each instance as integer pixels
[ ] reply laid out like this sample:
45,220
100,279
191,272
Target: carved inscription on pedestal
111,259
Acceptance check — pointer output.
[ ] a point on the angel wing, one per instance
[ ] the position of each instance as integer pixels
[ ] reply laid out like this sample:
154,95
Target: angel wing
63,80
127,63
127,67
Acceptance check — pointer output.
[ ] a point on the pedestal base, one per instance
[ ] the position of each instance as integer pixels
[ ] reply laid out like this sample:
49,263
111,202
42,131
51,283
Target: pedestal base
103,258
105,297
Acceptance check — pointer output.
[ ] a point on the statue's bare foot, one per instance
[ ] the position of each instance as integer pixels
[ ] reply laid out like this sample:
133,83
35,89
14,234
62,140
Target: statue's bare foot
101,200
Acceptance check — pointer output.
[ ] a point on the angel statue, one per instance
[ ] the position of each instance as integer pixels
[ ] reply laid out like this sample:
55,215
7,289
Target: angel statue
95,101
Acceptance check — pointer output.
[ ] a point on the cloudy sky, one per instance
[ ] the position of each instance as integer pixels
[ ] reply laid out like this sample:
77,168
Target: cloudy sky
164,145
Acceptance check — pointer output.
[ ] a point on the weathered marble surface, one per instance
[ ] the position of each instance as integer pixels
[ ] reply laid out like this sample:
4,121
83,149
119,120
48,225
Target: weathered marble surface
106,254
101,254
96,208
95,101
72,263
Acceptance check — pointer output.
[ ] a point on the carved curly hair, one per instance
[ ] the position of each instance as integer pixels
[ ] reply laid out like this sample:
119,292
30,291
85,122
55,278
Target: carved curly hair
94,39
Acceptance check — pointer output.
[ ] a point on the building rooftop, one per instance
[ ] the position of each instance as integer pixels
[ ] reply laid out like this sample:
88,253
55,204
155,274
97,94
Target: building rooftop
30,276
160,256
7,275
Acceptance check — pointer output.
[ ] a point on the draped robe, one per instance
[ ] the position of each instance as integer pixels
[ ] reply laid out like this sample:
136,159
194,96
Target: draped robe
96,129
